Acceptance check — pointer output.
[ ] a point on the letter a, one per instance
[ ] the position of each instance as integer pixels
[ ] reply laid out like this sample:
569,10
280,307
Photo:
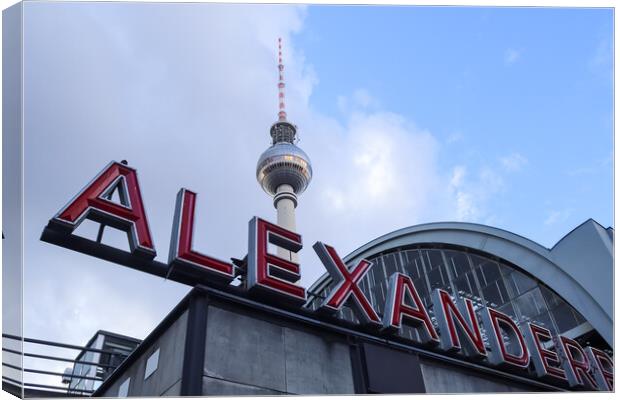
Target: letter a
93,202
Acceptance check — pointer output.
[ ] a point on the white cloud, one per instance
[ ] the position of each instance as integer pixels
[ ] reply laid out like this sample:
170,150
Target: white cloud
599,166
458,175
359,100
557,216
513,162
511,56
473,195
602,59
363,99
466,207
454,137
376,173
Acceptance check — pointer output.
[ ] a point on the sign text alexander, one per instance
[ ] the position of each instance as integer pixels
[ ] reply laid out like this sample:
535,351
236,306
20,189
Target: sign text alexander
558,359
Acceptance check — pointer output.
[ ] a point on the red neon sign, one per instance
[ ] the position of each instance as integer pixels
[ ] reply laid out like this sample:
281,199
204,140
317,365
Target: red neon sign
562,360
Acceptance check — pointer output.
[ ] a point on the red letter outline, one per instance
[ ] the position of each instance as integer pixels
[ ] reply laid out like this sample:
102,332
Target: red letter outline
540,356
267,272
130,216
181,251
446,311
346,285
396,309
499,355
604,376
575,369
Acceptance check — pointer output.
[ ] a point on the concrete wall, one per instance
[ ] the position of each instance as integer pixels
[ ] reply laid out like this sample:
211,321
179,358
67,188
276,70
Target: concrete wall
586,253
166,380
252,352
444,378
250,356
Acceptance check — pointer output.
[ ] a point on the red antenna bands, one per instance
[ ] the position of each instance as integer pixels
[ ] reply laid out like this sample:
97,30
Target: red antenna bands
281,85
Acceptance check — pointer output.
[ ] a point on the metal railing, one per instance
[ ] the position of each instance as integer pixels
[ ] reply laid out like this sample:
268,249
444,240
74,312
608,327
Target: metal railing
102,369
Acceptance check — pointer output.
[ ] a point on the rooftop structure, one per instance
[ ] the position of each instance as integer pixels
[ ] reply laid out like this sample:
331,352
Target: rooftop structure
104,348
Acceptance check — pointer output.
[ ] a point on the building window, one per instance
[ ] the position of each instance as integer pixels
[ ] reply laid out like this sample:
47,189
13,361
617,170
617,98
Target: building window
123,390
151,364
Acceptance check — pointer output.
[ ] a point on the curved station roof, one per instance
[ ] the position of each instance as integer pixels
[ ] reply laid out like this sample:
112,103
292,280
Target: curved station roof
568,288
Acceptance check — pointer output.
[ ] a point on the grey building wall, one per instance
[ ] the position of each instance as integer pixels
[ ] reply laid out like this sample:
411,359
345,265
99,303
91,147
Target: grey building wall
441,377
246,355
246,349
587,254
166,380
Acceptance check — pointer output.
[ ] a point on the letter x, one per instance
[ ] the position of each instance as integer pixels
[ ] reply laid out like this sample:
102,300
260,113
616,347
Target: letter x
346,284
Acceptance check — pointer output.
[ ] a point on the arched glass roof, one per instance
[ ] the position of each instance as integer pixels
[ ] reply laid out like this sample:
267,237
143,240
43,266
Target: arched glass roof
483,278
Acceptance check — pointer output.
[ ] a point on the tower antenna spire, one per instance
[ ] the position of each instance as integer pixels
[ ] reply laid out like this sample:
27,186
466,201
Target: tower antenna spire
281,85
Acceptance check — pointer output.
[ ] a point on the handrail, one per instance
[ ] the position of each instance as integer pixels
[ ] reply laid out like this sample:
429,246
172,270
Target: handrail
39,371
57,344
58,358
57,387
68,376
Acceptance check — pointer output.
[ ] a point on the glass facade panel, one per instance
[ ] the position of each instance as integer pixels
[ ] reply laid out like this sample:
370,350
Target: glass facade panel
508,309
492,295
422,288
522,283
529,305
413,264
502,291
544,319
458,263
436,279
488,272
436,270
390,264
564,317
465,284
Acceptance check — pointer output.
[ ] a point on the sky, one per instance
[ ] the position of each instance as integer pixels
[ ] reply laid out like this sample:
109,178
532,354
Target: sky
500,116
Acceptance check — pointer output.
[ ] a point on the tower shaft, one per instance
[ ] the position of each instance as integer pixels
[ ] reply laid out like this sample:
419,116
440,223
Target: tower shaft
285,202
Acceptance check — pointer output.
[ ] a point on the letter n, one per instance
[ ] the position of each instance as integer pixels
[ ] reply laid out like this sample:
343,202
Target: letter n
397,311
458,325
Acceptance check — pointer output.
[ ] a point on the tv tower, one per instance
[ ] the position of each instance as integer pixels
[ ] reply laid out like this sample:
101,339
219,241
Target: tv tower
284,170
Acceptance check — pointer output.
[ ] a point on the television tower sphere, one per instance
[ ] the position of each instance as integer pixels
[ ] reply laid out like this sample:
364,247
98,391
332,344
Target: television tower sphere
283,164
284,170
